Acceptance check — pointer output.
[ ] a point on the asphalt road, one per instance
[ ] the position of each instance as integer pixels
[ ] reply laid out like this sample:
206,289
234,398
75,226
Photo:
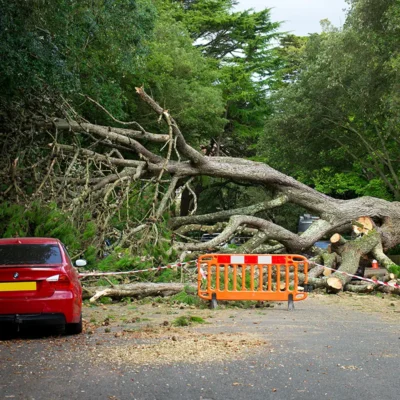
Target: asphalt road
316,352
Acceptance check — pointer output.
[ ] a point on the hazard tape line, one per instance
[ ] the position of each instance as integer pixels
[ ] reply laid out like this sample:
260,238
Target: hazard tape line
204,275
137,271
374,281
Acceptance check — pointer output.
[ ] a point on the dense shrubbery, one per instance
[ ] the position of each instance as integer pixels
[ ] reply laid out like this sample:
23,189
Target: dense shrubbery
73,47
46,220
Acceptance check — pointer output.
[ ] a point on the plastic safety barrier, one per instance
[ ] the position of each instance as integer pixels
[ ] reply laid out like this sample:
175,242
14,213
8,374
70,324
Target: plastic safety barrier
259,277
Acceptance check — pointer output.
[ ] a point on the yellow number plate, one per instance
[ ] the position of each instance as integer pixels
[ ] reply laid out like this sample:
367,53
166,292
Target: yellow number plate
17,286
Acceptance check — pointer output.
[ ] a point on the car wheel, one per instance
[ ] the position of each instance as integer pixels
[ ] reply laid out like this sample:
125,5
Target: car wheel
58,329
74,329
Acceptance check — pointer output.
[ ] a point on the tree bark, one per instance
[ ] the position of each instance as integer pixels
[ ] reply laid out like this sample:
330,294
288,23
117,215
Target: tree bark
135,290
337,240
351,254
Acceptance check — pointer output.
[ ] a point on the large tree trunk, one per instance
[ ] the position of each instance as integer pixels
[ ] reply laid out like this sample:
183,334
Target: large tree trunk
351,254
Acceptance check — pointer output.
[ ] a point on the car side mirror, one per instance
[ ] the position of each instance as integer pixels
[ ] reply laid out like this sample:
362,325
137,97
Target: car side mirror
80,263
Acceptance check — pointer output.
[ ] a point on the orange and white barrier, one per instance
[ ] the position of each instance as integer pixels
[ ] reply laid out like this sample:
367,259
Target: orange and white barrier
260,277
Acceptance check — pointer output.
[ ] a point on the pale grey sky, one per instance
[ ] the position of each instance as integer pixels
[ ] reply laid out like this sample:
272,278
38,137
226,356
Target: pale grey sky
301,16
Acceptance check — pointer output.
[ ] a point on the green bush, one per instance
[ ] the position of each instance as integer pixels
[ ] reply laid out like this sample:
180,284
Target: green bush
47,220
105,300
187,297
168,275
40,220
395,269
188,320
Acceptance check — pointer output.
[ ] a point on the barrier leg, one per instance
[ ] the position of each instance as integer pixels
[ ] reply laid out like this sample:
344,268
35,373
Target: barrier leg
213,302
290,303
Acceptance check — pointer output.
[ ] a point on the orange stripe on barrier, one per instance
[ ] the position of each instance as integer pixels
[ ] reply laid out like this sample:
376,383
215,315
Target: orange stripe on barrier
261,277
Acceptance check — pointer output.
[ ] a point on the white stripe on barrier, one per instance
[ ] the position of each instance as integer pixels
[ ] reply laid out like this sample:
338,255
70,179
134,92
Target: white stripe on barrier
264,259
237,259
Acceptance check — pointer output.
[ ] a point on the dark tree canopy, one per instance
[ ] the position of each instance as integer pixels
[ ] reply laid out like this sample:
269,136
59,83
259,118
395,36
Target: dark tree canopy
340,112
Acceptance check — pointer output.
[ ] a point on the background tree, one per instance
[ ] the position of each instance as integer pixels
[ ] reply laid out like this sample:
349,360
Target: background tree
239,47
241,43
339,118
182,79
74,47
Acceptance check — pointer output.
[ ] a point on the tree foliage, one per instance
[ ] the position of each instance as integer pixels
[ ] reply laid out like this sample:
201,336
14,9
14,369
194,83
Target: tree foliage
182,79
336,124
73,47
241,43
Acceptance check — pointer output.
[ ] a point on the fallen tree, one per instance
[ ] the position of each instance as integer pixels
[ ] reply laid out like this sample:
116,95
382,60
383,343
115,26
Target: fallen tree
134,290
99,176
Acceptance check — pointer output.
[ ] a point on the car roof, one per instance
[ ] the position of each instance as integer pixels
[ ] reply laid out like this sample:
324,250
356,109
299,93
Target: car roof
29,240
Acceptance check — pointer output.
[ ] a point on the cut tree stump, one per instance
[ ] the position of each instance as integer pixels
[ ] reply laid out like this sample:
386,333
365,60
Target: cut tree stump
363,225
351,253
335,283
337,239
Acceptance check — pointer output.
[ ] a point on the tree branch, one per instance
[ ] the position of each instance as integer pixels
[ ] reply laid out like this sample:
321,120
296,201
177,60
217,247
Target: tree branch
224,215
103,131
186,150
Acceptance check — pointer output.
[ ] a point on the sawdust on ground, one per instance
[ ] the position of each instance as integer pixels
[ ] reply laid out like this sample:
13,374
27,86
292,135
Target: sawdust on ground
144,333
183,346
384,306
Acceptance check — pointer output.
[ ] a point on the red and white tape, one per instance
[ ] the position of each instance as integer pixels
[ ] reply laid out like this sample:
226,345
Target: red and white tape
136,271
374,281
278,259
203,274
237,259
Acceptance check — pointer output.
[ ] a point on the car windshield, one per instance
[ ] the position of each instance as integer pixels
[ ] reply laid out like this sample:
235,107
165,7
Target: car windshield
22,254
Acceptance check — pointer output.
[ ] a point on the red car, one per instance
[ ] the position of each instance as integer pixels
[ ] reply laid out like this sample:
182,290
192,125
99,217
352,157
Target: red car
39,285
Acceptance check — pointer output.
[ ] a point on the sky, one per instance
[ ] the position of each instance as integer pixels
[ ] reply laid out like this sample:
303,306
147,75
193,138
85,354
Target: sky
300,17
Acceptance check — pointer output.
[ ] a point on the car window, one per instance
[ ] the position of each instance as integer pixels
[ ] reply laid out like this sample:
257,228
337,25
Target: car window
20,254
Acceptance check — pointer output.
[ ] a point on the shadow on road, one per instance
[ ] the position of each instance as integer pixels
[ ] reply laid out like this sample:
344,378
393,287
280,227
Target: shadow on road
31,332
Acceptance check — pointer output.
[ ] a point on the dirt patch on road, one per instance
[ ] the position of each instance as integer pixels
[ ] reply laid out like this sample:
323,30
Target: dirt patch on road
380,305
183,346
145,333
138,315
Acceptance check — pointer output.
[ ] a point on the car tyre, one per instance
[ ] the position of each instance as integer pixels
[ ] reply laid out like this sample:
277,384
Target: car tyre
74,329
58,329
